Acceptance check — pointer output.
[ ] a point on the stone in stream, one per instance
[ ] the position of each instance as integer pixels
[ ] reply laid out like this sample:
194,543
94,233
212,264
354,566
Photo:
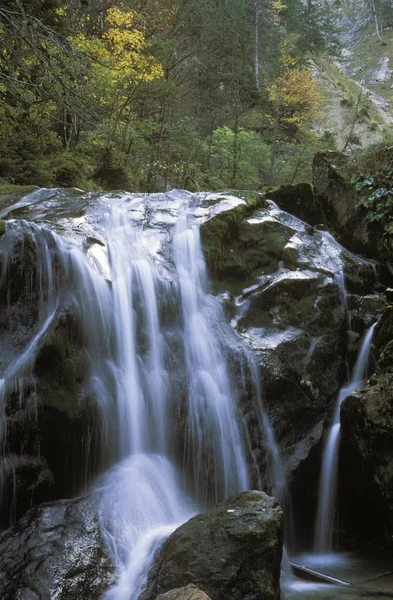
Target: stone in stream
189,592
55,551
231,552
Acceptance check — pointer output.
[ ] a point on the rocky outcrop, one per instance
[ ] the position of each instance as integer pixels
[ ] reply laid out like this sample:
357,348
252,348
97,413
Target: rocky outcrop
284,284
55,551
350,221
283,278
189,592
233,551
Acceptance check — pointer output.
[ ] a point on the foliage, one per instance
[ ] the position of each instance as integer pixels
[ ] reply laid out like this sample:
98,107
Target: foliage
163,93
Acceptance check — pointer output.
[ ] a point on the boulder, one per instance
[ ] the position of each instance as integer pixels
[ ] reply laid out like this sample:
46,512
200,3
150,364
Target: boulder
55,551
232,551
189,592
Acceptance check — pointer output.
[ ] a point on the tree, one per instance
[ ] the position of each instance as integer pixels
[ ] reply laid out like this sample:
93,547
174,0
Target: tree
293,98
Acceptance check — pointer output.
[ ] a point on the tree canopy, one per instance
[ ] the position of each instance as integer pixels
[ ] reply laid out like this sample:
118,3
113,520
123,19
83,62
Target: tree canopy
164,92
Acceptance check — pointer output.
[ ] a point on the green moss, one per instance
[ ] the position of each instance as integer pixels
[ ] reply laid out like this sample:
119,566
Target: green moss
2,228
254,199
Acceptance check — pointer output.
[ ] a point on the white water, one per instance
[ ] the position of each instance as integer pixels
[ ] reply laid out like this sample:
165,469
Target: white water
169,401
214,442
329,473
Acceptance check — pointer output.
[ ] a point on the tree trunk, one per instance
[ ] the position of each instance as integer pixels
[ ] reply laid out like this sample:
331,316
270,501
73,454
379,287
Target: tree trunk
374,11
256,56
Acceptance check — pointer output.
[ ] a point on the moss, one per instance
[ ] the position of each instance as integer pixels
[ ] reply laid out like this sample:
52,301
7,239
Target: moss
6,189
2,228
252,198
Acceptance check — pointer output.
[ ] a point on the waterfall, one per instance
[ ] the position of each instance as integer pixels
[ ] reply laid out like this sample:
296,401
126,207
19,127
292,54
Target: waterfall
160,369
214,442
329,473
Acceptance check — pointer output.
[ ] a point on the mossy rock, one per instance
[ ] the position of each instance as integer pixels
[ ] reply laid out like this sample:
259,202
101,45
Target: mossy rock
217,235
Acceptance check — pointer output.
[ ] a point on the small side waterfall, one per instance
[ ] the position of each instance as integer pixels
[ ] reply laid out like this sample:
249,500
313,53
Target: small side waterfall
328,480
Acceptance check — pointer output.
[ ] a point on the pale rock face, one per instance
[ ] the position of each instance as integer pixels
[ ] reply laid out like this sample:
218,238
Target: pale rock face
383,73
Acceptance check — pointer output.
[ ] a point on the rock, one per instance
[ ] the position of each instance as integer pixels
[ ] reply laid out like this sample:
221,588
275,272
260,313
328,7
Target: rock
383,73
51,422
55,551
337,198
283,283
367,430
190,592
299,200
365,310
232,551
338,201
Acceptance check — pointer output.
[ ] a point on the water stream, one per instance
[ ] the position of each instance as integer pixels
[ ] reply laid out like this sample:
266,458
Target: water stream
160,370
329,473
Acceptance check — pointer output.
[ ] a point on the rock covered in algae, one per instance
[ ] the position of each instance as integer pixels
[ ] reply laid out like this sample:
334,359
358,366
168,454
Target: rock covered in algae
55,551
232,551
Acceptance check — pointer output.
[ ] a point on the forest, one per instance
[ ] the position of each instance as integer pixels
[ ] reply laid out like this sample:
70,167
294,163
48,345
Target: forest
147,95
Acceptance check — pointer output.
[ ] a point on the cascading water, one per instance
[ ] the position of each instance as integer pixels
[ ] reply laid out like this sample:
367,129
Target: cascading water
213,432
329,473
137,342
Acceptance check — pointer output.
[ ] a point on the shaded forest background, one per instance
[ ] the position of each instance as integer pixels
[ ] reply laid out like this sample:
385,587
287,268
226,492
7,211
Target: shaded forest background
145,95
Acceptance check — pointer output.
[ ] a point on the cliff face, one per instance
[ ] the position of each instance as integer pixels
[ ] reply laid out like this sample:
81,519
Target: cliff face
356,84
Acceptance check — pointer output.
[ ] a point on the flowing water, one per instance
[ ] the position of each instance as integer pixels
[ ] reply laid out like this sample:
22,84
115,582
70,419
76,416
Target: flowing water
329,473
161,368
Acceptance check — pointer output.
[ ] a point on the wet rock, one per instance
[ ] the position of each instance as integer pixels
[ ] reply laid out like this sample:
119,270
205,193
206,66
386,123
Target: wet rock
190,592
299,200
48,421
367,429
367,446
52,417
55,551
24,482
365,310
233,551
